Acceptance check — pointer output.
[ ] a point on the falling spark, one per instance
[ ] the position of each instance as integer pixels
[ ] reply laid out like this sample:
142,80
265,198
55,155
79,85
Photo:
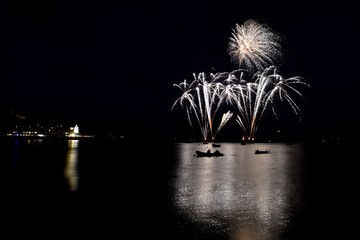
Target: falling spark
248,98
253,98
202,100
248,95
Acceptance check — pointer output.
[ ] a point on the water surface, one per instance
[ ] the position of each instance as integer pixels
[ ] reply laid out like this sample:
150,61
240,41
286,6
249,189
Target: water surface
160,189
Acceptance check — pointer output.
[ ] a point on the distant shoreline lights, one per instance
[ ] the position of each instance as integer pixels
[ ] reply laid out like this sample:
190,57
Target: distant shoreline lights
73,132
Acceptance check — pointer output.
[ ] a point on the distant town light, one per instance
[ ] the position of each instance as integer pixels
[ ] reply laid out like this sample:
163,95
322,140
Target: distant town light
76,129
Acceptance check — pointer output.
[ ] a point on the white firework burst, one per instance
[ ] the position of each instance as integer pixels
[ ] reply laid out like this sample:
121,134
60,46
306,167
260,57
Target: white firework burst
254,45
248,91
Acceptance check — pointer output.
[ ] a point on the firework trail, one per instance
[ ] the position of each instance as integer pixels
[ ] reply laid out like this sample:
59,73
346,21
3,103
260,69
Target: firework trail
247,98
202,99
266,90
240,91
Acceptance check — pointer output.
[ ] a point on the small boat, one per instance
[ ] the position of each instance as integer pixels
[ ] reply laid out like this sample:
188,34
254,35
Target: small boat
216,145
217,153
257,151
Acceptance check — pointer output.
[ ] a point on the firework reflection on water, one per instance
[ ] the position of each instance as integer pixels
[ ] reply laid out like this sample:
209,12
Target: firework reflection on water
242,193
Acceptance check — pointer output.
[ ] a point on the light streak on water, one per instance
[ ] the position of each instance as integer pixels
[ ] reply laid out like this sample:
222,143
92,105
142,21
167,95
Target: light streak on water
71,171
246,193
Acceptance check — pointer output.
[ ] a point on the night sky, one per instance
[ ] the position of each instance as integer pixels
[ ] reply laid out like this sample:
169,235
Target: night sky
111,66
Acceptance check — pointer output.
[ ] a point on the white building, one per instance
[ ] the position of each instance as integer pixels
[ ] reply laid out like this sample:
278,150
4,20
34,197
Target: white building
74,131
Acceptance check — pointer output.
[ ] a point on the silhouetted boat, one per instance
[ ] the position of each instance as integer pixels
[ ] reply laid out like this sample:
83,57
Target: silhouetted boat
257,151
216,145
217,153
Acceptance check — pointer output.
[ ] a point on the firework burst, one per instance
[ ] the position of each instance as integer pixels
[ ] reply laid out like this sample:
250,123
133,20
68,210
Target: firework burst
202,99
248,98
254,45
265,91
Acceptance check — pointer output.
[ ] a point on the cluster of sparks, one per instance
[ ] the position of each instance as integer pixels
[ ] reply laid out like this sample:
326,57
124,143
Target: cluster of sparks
254,45
240,92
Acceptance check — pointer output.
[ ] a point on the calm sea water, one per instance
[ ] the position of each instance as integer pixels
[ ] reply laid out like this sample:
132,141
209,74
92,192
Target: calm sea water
132,190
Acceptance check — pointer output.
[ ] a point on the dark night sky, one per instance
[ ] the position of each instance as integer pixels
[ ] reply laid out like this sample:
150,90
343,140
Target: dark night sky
112,65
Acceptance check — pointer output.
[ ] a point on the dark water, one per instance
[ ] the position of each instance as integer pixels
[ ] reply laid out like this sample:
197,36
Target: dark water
128,190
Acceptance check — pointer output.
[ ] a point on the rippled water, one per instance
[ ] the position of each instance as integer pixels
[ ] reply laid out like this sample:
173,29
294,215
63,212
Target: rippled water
251,196
163,190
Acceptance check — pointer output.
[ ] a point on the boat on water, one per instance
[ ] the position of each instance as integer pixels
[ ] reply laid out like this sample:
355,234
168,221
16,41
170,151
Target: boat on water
216,145
243,141
208,153
257,151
